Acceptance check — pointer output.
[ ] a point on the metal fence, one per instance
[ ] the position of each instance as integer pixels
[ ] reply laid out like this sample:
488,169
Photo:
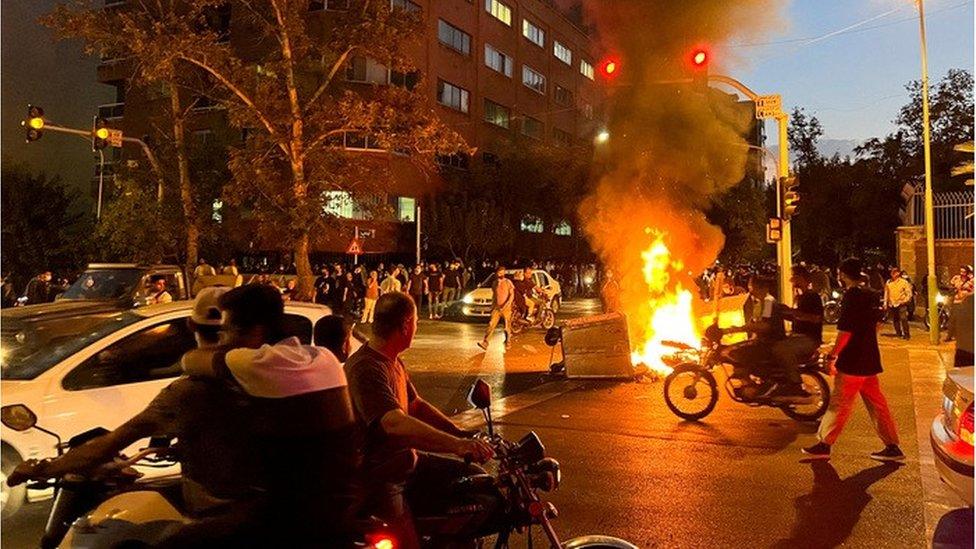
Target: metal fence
953,213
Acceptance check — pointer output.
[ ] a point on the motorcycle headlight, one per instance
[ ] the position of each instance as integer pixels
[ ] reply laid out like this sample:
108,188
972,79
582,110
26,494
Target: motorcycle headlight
468,299
835,294
940,299
545,475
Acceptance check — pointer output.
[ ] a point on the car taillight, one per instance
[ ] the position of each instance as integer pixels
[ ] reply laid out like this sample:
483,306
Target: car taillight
966,425
382,541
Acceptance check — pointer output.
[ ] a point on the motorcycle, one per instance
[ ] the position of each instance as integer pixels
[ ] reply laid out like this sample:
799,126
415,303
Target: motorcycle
504,502
111,507
943,304
691,390
832,306
544,316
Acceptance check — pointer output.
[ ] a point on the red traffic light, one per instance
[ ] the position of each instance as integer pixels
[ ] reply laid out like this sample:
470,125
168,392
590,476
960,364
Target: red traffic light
699,57
609,68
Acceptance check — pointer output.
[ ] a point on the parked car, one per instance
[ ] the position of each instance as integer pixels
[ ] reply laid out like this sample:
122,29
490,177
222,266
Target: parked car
952,433
477,302
100,375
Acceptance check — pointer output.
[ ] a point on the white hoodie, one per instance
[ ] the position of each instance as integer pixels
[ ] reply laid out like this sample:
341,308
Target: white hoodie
285,369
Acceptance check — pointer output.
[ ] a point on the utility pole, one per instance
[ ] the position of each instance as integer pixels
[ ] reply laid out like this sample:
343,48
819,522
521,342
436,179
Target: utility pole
932,286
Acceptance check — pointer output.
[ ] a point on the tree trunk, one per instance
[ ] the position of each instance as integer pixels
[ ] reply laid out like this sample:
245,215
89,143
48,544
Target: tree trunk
303,266
186,189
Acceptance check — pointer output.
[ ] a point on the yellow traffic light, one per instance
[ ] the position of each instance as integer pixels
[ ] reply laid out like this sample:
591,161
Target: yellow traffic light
101,133
36,123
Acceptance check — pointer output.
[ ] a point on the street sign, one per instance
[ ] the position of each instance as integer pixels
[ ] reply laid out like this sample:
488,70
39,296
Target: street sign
115,137
355,247
774,230
769,106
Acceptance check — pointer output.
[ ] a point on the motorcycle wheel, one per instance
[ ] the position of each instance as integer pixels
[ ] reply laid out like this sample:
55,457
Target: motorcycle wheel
831,313
548,319
695,392
517,325
815,384
11,498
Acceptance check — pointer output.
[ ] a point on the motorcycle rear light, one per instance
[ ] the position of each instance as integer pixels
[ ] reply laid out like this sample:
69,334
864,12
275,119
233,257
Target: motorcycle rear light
382,542
966,425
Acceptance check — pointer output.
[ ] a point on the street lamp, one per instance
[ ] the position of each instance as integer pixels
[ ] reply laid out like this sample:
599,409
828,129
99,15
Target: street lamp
932,285
603,136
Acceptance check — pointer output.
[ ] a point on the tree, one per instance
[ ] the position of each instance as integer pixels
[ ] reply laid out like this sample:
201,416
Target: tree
741,213
803,134
144,33
135,227
284,91
42,228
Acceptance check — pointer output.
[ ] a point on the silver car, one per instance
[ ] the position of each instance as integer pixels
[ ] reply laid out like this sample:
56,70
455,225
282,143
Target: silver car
952,433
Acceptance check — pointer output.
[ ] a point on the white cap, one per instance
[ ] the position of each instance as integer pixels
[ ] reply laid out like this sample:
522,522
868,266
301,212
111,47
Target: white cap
206,312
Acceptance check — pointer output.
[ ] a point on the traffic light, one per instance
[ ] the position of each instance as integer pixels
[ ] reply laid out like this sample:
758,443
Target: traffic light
34,124
99,134
698,59
790,189
609,68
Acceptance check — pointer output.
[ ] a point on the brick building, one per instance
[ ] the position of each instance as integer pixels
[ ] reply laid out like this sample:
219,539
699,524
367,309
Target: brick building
496,69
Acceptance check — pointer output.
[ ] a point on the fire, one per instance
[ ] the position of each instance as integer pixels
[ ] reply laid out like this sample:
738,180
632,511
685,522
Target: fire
668,314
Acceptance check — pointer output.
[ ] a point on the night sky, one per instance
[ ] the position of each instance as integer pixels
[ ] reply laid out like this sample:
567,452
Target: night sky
58,77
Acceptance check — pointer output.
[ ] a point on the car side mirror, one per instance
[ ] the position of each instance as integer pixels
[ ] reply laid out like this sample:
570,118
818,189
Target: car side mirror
18,417
480,395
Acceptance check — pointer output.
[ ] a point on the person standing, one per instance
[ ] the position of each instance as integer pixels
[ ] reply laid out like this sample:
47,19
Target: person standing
856,359
39,289
323,286
372,294
897,294
610,292
203,269
452,282
435,284
391,283
417,287
503,297
230,269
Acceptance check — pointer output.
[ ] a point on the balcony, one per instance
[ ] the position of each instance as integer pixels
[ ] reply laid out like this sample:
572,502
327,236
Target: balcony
111,111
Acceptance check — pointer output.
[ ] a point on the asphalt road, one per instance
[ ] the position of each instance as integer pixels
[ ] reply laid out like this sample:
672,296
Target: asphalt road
633,470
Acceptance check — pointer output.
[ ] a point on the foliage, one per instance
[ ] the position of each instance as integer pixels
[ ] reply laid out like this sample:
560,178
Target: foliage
42,229
135,227
741,213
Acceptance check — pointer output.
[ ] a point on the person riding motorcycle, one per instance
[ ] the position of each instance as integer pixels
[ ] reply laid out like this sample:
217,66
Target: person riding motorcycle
765,327
401,428
207,417
530,293
303,429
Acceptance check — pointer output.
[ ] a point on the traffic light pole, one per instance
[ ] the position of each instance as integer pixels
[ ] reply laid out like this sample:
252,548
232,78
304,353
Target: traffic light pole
87,134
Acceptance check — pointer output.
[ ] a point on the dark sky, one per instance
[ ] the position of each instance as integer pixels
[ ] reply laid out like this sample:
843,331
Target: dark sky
56,76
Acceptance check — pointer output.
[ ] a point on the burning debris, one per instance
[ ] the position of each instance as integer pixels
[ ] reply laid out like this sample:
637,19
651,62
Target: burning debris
670,151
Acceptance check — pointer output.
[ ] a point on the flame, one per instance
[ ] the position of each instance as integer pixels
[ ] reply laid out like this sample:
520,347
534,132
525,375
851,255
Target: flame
669,313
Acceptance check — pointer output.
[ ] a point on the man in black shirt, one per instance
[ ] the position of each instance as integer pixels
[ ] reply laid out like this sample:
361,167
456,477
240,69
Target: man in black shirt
807,320
857,361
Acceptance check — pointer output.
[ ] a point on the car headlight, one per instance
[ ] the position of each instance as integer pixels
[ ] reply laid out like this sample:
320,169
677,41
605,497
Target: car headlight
468,299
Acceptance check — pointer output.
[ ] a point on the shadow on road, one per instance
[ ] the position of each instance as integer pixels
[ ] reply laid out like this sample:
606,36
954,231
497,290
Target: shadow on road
827,515
954,531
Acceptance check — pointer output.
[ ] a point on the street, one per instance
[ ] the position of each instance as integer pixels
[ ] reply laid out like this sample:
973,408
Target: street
633,470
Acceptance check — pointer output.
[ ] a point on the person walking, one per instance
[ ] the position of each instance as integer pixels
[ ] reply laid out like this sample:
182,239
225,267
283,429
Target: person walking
435,285
856,359
897,295
417,288
503,297
372,294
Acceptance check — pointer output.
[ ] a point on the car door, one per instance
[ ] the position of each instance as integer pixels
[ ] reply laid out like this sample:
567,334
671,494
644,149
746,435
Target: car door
118,376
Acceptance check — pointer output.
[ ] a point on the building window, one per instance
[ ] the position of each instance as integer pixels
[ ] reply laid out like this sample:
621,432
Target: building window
339,204
533,128
406,209
319,5
453,37
217,210
405,5
499,11
406,80
535,35
587,110
452,96
490,159
496,114
531,224
586,69
561,137
563,229
562,95
365,70
562,53
201,103
498,61
458,161
533,79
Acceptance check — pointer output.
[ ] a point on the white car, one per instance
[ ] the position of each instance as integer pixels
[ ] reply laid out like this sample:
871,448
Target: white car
477,302
952,433
99,376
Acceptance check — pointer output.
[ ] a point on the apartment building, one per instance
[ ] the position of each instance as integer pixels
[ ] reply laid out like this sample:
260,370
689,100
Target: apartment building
498,70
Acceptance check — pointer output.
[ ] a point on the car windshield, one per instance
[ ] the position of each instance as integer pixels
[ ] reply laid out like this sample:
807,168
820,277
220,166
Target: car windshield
105,284
34,351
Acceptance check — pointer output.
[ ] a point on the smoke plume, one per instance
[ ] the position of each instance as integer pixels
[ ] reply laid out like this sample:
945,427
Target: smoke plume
672,148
